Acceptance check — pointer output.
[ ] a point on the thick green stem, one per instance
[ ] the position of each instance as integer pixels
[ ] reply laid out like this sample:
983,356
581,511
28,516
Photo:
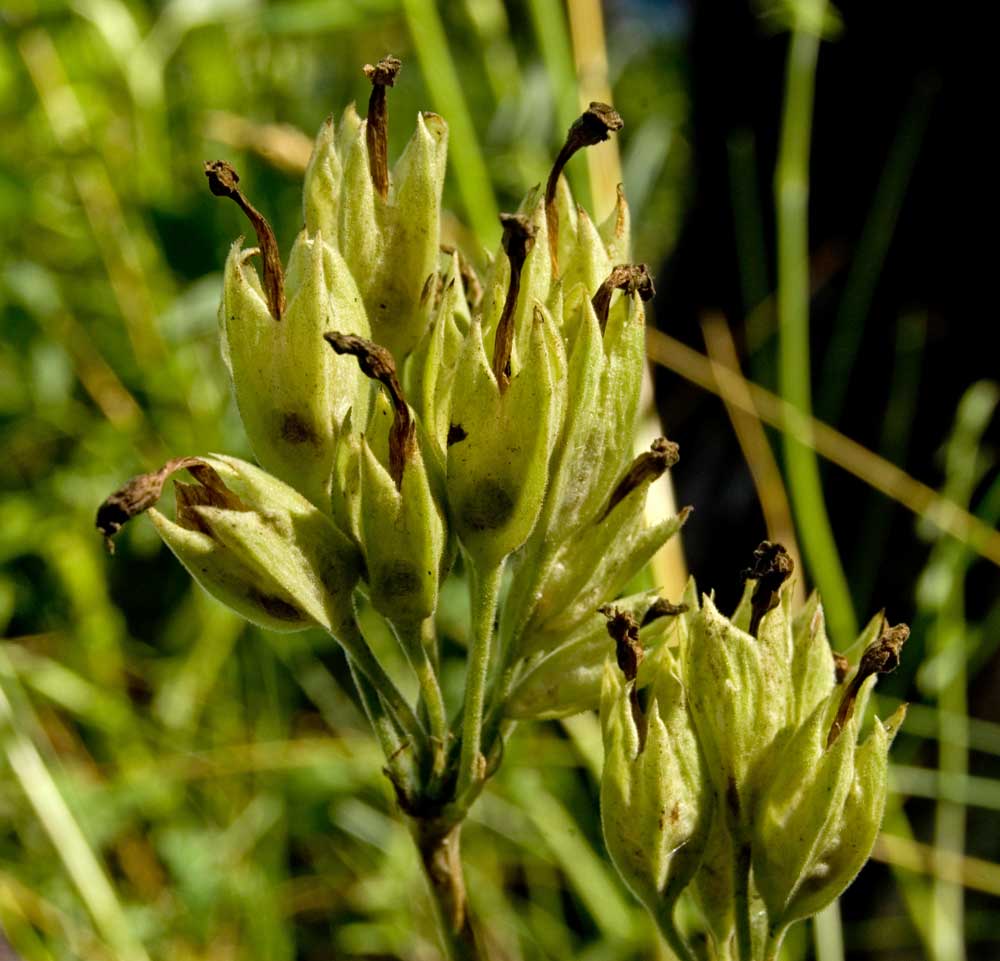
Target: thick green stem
791,186
440,855
741,903
485,587
664,918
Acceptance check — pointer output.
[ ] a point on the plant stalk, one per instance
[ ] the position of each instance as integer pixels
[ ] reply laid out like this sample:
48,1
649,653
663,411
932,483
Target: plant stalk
485,587
438,843
791,189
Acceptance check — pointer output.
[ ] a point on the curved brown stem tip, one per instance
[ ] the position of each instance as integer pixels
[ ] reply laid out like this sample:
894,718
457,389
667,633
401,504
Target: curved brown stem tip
518,239
772,566
142,492
223,181
880,657
382,75
631,278
593,126
377,363
645,469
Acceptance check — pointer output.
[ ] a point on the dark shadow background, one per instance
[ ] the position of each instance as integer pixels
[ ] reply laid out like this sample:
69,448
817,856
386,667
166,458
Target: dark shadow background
886,132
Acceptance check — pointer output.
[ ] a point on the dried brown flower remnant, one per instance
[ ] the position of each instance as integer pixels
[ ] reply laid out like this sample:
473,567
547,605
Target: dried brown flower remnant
593,126
382,75
647,467
223,181
772,566
624,631
661,607
518,239
142,492
880,657
841,667
632,278
377,363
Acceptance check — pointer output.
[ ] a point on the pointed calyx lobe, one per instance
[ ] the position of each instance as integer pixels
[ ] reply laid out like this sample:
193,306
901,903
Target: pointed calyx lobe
624,631
377,363
593,126
382,75
223,181
772,566
880,657
142,492
518,239
632,278
646,468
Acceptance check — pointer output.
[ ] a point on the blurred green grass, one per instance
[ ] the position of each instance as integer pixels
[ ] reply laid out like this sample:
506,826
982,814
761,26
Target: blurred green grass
220,778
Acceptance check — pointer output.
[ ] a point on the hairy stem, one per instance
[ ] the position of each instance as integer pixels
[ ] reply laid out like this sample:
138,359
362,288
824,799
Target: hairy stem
412,639
485,587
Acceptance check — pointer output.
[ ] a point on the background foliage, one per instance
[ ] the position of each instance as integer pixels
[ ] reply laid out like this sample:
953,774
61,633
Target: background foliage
174,784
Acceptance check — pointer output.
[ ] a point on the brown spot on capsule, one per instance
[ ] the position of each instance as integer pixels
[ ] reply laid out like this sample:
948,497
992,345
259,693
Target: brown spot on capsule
518,239
277,607
377,363
456,434
295,430
381,75
593,126
771,567
624,631
223,182
645,469
880,657
633,279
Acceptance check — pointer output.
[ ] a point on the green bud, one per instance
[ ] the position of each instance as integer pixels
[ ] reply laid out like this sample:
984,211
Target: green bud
739,690
814,670
849,843
656,801
401,527
593,566
566,679
430,369
292,393
801,805
321,188
391,244
251,541
403,537
498,457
